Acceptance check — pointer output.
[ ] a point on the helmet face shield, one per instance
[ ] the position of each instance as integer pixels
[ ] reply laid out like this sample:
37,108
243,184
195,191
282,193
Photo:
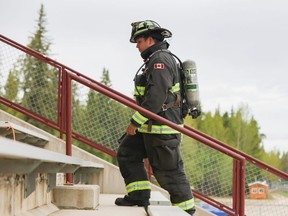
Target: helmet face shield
147,26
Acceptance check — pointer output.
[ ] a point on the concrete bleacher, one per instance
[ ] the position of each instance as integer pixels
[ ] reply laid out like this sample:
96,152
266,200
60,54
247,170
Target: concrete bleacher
26,159
30,172
40,160
21,158
22,134
32,178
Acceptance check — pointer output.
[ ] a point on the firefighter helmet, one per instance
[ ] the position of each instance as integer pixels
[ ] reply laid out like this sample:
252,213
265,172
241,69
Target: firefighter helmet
148,26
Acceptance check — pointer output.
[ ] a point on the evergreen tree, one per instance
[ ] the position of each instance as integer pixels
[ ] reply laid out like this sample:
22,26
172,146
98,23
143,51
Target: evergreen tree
236,130
105,78
78,109
209,160
11,90
96,124
40,83
34,81
244,133
114,117
11,87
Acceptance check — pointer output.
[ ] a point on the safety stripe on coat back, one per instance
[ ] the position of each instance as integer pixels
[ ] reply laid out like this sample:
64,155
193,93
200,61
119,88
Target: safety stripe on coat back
140,90
158,129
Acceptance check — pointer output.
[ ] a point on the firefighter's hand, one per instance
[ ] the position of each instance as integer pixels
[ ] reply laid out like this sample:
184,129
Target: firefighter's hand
131,129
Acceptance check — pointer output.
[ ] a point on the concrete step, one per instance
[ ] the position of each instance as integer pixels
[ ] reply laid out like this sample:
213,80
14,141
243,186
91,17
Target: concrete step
157,198
106,208
166,211
87,197
76,196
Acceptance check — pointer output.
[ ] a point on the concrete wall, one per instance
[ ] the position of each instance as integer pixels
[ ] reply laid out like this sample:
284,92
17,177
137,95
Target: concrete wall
12,201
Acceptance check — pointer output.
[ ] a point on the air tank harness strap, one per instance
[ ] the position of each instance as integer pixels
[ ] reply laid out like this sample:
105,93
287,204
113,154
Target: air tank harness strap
174,104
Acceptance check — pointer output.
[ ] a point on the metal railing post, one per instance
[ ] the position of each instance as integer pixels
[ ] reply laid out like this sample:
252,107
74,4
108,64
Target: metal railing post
69,177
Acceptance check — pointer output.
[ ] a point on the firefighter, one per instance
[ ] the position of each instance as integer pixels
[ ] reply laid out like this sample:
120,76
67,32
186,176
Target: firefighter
157,90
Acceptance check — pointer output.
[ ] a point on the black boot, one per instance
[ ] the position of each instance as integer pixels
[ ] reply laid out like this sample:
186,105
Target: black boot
191,211
127,201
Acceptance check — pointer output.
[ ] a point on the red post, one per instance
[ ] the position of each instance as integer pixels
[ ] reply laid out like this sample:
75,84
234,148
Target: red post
69,177
239,167
242,187
62,102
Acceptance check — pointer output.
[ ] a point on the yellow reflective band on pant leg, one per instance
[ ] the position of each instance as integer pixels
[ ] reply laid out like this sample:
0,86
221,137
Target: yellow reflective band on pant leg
138,185
140,119
186,205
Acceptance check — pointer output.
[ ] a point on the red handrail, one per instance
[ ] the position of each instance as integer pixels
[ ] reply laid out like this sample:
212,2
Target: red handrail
240,172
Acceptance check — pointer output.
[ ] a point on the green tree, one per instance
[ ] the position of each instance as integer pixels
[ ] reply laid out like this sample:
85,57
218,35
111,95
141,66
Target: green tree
105,78
38,77
284,162
35,81
11,90
273,159
40,80
78,109
237,129
11,87
96,124
244,133
212,182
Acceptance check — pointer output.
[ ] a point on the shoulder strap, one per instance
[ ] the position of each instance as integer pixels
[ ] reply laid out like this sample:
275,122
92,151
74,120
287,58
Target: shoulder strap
181,100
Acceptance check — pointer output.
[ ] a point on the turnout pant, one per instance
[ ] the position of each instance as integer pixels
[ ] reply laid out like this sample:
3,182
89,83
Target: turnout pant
162,151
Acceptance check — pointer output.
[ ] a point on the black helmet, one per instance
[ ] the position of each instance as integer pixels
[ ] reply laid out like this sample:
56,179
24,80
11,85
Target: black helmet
148,26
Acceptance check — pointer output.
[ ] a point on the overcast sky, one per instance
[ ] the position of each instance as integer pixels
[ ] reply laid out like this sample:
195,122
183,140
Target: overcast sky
240,47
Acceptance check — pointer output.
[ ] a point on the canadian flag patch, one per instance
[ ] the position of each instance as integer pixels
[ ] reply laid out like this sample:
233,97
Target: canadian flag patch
159,66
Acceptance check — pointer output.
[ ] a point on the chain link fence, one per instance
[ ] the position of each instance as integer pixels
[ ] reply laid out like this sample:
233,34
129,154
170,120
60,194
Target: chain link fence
34,85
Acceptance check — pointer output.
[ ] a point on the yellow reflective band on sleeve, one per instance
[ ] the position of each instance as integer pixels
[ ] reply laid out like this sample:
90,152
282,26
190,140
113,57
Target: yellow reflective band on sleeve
175,88
189,204
139,91
158,129
138,185
140,119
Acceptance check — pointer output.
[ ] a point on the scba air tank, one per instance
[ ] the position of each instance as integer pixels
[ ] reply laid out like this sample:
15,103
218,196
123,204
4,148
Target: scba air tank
191,88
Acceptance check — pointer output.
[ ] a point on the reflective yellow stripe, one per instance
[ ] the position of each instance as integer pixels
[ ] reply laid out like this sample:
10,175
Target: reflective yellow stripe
141,90
189,204
138,185
140,119
149,25
158,129
175,88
